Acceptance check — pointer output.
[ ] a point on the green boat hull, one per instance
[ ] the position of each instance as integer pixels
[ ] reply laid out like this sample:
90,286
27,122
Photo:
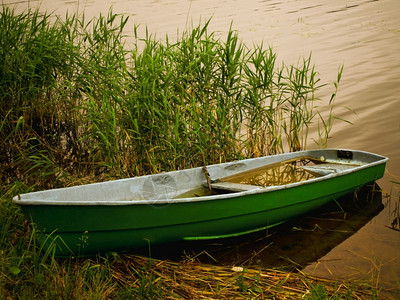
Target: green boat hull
88,229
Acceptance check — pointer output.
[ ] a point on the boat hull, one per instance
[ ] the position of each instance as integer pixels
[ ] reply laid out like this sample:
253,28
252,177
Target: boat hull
88,229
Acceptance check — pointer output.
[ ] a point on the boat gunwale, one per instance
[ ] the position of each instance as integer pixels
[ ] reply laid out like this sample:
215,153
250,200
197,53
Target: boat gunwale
50,202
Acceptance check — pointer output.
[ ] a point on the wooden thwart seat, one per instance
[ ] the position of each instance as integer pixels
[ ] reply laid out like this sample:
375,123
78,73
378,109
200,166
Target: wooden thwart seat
233,187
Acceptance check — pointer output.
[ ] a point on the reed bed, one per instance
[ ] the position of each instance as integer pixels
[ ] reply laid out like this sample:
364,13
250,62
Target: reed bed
80,103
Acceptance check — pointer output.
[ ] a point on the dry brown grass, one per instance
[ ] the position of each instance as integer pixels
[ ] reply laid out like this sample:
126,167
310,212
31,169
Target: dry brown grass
192,280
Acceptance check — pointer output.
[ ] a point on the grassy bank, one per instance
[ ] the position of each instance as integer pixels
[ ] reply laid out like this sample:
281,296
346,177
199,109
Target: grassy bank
79,104
133,277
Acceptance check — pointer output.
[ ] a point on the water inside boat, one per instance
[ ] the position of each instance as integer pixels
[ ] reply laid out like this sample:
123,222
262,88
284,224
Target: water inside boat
270,175
285,173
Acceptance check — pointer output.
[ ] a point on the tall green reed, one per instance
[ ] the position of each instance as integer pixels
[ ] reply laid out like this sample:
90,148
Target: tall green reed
36,58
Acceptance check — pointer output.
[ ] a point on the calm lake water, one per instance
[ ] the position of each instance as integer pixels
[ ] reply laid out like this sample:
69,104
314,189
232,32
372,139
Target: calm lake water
362,35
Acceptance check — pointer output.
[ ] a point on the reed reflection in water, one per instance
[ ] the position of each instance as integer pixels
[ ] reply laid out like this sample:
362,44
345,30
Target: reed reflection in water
282,174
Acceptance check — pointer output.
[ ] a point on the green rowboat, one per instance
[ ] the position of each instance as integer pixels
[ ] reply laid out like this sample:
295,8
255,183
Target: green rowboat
216,201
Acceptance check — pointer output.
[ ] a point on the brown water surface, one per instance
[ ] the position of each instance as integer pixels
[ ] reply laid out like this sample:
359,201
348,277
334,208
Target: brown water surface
363,35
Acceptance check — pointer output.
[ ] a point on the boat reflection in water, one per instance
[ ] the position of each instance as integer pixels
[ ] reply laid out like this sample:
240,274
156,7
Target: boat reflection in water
292,245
